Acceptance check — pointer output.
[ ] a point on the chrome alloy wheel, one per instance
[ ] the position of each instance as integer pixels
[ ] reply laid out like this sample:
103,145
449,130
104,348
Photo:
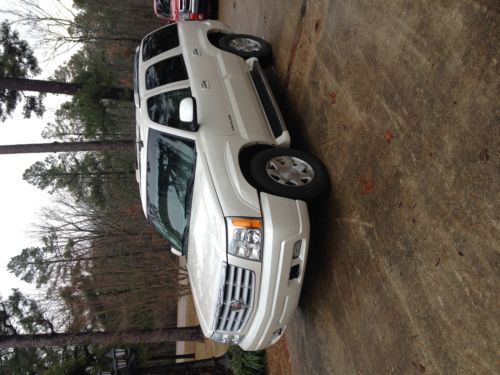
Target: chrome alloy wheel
245,45
290,171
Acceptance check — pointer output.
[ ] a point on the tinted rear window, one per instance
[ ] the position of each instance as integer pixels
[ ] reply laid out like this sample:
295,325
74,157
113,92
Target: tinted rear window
165,72
160,41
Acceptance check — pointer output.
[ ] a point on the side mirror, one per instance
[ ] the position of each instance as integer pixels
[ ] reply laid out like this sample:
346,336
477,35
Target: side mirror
187,110
187,113
175,251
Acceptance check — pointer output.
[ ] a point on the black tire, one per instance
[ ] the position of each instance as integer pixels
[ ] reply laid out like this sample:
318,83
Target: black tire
301,185
262,49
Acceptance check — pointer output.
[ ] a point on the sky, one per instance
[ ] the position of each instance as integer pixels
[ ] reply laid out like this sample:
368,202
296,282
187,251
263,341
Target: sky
20,202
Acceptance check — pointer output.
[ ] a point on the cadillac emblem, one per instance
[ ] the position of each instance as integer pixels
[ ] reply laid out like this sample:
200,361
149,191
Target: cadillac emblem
236,305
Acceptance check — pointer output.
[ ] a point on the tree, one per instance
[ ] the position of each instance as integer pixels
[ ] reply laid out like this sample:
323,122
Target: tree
85,266
44,340
19,314
216,365
30,148
30,345
82,174
63,28
16,60
71,125
85,77
19,85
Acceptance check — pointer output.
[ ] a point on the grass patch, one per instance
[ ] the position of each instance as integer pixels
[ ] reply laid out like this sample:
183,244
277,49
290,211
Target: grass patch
246,363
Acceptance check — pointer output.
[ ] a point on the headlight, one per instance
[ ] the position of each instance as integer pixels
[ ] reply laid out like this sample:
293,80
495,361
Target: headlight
225,338
245,237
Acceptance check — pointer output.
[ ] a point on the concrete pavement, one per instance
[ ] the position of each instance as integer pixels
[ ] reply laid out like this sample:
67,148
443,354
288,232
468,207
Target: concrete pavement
400,100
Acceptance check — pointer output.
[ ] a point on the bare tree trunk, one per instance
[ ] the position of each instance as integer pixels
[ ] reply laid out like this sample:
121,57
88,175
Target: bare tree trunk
219,365
54,87
30,148
101,338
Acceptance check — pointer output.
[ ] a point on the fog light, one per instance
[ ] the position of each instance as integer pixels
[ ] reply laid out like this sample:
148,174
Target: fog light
276,335
296,249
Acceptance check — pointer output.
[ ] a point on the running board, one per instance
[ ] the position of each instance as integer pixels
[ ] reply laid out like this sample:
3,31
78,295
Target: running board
269,104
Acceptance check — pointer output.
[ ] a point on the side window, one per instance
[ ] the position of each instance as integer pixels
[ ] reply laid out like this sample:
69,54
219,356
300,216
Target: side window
165,72
160,41
164,108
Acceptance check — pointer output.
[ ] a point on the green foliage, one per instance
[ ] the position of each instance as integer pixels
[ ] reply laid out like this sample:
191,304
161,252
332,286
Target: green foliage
69,367
110,269
17,60
39,264
29,316
22,315
87,107
92,111
246,363
34,104
67,125
84,175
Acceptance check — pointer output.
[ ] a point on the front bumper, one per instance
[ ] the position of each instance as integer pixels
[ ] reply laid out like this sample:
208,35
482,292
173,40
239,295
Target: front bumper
286,222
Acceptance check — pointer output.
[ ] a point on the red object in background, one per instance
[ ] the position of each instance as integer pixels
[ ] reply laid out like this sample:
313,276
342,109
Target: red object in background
192,10
367,184
333,98
388,136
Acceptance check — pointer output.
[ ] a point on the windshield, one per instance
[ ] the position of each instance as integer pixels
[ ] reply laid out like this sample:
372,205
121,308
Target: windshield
170,175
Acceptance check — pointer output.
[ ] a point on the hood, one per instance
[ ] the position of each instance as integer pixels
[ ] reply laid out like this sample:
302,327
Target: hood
207,245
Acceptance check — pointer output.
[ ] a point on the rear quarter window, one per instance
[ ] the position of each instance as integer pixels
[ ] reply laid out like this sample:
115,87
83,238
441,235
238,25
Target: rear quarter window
160,41
165,72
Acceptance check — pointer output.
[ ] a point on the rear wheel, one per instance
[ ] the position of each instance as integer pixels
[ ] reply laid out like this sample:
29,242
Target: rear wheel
289,173
246,46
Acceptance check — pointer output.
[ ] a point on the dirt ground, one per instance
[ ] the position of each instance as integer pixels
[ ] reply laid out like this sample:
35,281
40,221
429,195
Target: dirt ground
400,101
278,358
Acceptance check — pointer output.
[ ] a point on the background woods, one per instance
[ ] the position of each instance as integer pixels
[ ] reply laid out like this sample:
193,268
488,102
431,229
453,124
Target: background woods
100,265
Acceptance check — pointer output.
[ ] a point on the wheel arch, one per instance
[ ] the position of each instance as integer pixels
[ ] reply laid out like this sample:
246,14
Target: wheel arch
214,35
245,156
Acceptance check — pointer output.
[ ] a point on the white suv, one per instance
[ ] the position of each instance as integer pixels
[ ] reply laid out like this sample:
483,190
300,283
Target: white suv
218,179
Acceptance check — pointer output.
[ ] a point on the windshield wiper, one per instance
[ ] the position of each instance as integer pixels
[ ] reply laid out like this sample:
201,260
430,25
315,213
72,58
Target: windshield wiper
187,210
185,240
189,195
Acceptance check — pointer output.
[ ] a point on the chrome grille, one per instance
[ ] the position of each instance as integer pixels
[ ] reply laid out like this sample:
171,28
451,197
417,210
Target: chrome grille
236,298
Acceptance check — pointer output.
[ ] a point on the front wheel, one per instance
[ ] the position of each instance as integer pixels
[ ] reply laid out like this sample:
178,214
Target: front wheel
289,173
246,46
